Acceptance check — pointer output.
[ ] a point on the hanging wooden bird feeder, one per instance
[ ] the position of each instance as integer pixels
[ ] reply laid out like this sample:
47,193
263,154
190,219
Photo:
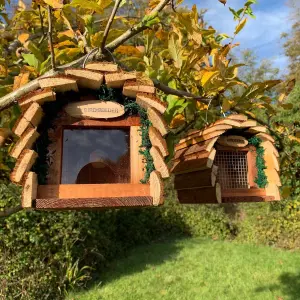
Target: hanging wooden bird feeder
232,160
76,151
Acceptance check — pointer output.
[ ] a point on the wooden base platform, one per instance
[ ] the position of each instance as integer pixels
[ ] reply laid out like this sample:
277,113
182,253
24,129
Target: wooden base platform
92,196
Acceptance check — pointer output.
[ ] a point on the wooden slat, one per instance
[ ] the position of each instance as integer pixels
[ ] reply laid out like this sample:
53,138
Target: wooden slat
247,199
269,147
235,141
93,203
149,100
60,83
271,161
156,188
233,123
197,155
198,133
25,142
255,192
238,117
257,129
196,179
200,195
249,123
199,139
29,189
71,191
193,164
137,165
157,121
273,191
202,146
86,78
273,176
117,80
252,169
102,66
157,140
131,88
265,137
159,163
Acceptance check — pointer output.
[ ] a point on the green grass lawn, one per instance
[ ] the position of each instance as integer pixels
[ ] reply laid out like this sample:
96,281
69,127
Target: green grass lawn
200,269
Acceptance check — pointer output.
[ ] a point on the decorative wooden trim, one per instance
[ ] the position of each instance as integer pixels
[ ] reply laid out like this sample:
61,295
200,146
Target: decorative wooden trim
238,117
132,87
157,121
273,191
38,96
86,191
199,139
23,165
234,141
20,126
265,137
93,203
88,79
60,83
254,192
233,123
159,162
157,140
117,80
197,179
102,66
249,123
25,142
29,189
257,129
197,155
137,165
210,129
271,161
200,195
273,176
188,166
247,199
202,146
156,188
149,100
269,147
252,169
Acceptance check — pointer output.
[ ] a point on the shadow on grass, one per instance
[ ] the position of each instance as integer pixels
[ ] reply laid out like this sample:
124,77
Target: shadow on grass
289,286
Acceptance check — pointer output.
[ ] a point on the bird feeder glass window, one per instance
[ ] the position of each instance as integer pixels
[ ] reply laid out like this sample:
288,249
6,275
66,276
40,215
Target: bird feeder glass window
96,156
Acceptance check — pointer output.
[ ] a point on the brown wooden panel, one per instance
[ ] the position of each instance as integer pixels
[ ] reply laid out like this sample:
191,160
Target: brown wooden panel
255,192
118,122
252,169
71,191
200,195
195,179
92,203
137,164
247,199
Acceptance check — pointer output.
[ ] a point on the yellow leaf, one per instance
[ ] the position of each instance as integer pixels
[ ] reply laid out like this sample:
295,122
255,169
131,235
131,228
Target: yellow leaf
208,76
20,80
293,138
69,33
177,121
249,113
65,43
240,26
201,106
128,50
55,3
23,37
281,97
96,39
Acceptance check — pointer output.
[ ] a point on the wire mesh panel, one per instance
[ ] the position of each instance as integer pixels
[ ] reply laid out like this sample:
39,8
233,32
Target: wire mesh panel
233,169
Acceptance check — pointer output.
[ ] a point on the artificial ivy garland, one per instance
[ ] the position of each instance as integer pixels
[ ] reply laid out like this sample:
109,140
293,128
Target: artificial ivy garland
261,178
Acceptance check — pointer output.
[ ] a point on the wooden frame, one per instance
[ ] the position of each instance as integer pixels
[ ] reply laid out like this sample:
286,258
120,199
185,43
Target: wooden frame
59,193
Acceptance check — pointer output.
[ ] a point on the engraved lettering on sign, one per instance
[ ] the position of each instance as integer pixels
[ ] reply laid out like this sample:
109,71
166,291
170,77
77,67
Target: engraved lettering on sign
95,109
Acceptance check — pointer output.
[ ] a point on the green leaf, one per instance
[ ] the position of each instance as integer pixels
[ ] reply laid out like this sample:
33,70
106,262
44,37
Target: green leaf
235,14
250,2
36,51
32,61
151,19
174,49
240,26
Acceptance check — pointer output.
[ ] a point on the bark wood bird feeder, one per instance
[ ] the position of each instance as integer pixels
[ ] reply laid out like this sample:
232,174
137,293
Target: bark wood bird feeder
232,160
79,151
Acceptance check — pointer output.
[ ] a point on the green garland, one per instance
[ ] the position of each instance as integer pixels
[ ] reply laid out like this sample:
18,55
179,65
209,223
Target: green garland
132,108
261,178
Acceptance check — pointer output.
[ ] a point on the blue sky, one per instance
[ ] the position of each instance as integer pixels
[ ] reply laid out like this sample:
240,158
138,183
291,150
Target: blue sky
261,34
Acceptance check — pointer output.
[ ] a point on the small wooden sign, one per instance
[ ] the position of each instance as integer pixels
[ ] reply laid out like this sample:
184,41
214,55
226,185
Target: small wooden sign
95,109
233,141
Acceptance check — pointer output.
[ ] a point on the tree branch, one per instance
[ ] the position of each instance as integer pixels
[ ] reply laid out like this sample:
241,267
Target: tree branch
135,29
41,20
50,37
9,211
109,23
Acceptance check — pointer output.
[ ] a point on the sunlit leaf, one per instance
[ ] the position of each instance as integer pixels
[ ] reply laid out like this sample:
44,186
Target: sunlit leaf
55,3
240,26
177,121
